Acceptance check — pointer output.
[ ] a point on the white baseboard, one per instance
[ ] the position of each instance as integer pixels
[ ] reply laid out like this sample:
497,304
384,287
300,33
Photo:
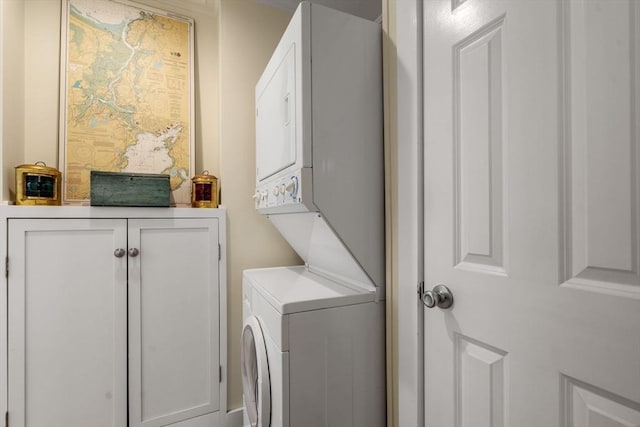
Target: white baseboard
234,418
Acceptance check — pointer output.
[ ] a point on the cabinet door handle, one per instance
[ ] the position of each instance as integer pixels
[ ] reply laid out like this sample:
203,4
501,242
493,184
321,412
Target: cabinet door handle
119,253
133,252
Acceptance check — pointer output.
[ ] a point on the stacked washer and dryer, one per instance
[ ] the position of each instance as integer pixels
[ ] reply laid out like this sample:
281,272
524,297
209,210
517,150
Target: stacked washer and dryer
313,351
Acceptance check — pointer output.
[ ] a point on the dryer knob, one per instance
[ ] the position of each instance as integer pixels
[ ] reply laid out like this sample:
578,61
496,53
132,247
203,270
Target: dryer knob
292,186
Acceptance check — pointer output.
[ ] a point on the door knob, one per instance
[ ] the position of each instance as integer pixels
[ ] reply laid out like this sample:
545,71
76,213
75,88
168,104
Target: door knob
133,252
440,296
119,253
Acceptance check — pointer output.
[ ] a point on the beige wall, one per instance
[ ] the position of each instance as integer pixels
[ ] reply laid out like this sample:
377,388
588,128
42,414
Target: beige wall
42,79
248,34
31,55
233,43
13,85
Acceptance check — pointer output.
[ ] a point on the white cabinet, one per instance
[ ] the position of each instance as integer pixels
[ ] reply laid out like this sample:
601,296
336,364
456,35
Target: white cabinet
115,321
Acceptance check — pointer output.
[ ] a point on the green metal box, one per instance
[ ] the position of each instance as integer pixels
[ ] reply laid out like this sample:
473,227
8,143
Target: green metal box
129,189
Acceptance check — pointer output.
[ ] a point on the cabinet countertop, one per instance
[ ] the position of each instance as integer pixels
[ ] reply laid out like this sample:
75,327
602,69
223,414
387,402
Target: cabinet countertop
13,211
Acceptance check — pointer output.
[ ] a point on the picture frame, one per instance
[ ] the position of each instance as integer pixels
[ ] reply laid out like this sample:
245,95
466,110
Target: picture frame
127,99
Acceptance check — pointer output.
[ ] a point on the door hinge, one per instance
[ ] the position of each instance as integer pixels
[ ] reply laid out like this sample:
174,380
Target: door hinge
220,373
219,252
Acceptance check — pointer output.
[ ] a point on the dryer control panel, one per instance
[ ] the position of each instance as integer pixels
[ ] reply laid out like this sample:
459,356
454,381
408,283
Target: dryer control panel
279,192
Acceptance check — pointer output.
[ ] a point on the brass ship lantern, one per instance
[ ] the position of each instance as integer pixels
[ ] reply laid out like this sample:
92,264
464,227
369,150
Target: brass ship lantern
204,191
38,184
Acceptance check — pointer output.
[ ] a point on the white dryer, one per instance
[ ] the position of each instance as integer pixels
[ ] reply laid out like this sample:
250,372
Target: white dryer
319,152
313,351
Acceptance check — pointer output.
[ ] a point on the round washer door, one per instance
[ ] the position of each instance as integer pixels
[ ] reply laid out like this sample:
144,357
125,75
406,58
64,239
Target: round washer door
255,374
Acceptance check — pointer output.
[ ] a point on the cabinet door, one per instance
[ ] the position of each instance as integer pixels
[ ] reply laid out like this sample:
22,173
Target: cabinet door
67,323
173,322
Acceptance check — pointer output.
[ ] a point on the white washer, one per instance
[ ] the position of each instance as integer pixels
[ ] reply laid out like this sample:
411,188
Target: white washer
313,351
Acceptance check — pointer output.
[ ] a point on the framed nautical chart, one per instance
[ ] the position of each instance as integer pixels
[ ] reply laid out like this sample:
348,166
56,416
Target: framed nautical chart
126,95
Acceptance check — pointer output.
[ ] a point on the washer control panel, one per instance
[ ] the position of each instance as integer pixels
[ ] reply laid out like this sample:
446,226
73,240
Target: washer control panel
281,191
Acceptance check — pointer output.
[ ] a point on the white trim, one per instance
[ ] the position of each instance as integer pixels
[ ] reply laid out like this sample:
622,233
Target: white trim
1,109
3,248
410,216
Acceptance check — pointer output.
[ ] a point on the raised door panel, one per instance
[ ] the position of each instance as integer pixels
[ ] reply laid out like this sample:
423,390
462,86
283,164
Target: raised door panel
67,323
173,321
478,163
480,377
588,406
602,157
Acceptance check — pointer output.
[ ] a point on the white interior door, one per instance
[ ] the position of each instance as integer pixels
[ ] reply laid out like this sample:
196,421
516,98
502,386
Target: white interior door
532,180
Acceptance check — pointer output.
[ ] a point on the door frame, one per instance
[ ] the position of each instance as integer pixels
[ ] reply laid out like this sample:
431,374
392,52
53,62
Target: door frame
404,103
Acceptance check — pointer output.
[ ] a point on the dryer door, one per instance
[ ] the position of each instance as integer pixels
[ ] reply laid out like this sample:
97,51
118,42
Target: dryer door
255,374
276,116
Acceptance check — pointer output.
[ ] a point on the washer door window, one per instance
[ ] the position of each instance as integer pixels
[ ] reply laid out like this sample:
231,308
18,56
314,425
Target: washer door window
255,374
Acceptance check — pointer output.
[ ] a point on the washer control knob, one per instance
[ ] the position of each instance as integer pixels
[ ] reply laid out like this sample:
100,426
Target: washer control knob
256,196
282,189
264,195
276,191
